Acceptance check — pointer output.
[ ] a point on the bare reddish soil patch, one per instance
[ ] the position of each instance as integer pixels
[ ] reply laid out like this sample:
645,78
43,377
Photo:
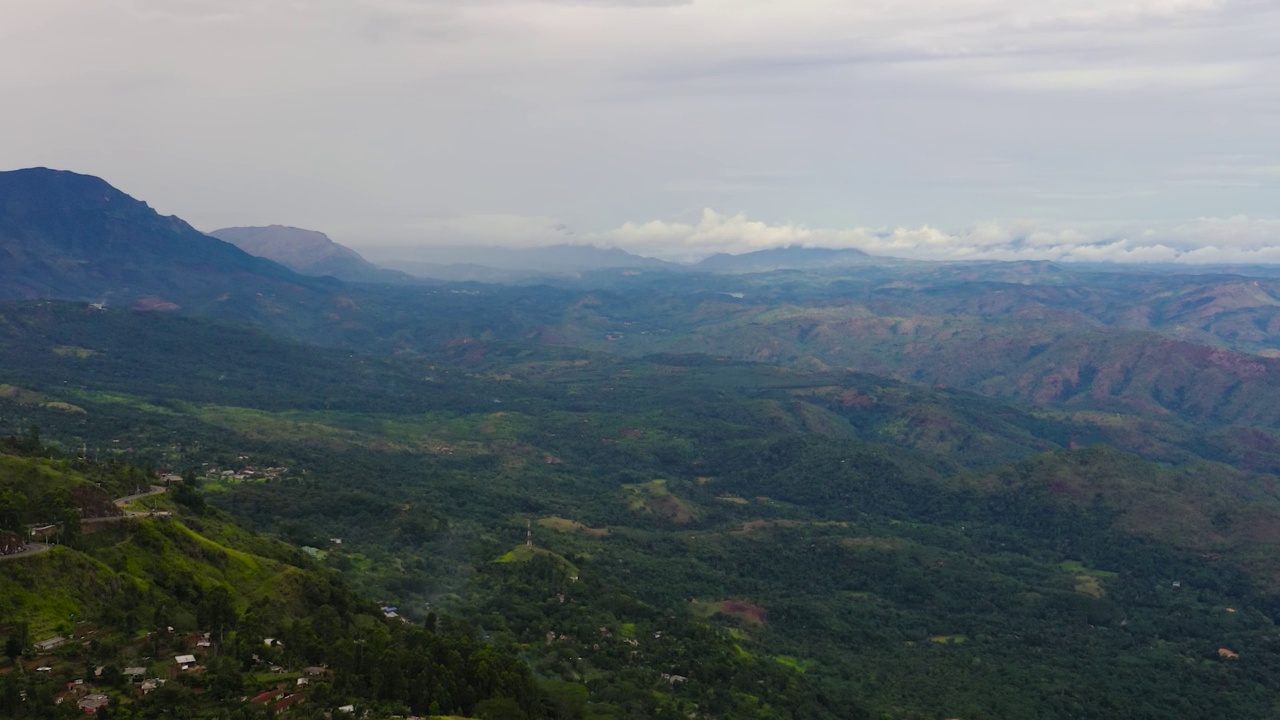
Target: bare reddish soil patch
744,610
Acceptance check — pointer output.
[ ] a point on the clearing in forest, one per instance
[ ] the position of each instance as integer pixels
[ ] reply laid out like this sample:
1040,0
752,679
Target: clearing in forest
560,524
737,609
654,497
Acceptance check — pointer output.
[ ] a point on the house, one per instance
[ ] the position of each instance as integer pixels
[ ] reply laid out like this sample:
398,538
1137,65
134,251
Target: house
42,531
268,695
134,672
347,709
91,703
289,701
50,644
152,684
314,670
185,662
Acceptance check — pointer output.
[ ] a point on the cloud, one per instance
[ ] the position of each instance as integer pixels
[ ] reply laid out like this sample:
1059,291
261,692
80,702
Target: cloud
1204,240
366,114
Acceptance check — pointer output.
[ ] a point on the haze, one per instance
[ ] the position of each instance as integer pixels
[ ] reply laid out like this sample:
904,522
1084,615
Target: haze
1062,129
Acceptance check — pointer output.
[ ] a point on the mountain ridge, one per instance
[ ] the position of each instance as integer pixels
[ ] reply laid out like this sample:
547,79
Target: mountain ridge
308,252
791,257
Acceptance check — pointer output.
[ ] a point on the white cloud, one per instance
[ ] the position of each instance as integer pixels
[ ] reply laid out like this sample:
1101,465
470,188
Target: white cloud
1204,240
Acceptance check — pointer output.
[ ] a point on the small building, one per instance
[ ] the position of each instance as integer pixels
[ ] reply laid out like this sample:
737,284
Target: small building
185,662
50,644
267,696
134,672
151,684
91,703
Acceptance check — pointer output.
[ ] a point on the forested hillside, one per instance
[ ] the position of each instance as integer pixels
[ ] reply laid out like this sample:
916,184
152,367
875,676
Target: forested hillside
169,609
682,534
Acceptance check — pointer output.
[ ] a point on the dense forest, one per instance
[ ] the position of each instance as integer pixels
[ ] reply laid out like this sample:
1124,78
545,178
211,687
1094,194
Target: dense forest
596,536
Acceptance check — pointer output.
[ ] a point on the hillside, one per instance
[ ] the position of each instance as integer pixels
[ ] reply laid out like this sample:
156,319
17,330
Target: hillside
307,252
696,507
166,608
70,236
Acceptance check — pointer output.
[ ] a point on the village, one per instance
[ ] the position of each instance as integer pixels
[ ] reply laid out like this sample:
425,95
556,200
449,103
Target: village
152,660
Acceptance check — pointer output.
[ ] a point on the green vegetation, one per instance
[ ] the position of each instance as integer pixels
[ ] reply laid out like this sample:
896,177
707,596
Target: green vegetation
709,536
252,612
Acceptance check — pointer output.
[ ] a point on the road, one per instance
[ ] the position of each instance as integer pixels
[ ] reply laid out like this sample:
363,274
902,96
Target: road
34,548
155,490
121,502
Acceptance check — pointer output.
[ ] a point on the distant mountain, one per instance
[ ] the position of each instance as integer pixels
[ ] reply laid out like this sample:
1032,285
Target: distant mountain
457,263
785,258
75,237
307,252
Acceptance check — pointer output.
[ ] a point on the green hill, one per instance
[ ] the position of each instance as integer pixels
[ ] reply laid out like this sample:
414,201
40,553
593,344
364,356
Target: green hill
252,613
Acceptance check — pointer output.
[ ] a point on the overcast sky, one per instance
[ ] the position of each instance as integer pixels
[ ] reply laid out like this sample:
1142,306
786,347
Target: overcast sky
1089,129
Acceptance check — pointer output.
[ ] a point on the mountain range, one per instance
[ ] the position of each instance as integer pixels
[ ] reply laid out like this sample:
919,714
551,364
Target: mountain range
786,258
808,483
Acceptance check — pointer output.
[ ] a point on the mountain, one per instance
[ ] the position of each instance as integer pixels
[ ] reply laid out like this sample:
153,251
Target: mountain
792,257
307,252
479,262
75,237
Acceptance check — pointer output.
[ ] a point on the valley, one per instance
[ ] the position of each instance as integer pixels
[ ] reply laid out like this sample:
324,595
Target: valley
847,489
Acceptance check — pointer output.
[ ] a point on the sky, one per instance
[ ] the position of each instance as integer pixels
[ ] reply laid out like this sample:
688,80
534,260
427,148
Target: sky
1143,130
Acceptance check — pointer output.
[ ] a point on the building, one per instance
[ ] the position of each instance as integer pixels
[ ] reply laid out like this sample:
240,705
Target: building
50,644
42,531
185,662
91,703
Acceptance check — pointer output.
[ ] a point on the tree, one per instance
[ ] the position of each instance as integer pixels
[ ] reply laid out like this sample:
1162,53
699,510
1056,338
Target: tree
499,709
18,641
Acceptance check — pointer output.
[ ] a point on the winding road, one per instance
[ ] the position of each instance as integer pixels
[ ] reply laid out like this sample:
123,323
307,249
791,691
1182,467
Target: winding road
155,490
35,548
